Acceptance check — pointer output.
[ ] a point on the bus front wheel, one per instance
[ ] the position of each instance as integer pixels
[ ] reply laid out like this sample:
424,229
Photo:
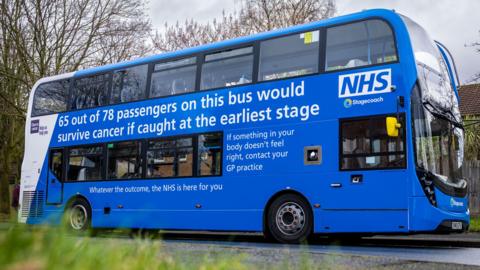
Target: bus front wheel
79,216
290,219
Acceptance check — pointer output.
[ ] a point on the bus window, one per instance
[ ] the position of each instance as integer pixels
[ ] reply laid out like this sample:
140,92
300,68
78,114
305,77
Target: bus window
366,145
90,92
56,163
85,163
174,77
210,154
50,98
170,158
124,160
289,56
227,68
129,84
359,44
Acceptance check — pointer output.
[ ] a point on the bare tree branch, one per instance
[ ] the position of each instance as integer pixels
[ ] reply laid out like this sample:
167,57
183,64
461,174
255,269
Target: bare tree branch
253,16
43,38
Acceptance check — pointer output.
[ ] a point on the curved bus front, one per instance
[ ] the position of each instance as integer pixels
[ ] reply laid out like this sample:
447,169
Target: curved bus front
437,133
361,181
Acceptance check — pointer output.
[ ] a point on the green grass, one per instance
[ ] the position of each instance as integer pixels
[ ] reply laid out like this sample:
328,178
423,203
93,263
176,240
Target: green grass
38,248
474,224
51,248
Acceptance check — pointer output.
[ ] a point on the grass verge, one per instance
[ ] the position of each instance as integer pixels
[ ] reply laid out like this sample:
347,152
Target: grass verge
474,224
51,248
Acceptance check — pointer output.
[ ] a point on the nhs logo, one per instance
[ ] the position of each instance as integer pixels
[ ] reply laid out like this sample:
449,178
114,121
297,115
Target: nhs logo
365,83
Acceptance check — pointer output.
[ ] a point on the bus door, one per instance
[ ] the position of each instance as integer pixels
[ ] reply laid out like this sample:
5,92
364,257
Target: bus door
373,163
55,176
371,187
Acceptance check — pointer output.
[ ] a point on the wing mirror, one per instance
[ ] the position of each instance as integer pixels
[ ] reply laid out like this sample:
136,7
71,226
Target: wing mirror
392,126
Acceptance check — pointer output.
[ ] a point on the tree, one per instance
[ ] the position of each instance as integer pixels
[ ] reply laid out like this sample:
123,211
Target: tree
472,123
254,16
43,38
476,46
472,138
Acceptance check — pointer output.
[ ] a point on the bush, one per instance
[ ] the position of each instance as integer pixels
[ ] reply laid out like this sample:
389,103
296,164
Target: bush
472,138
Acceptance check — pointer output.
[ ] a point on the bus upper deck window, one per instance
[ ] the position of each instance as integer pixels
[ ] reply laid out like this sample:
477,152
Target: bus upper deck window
289,56
173,77
359,44
50,98
129,84
227,68
90,92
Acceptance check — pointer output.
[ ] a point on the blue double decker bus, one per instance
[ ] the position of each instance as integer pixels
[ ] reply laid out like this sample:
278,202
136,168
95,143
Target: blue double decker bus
347,125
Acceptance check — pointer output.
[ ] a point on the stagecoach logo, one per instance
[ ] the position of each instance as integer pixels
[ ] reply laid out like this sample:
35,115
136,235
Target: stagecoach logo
347,103
365,83
453,203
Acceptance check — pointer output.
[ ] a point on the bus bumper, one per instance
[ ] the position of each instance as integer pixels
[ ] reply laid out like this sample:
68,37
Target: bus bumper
424,217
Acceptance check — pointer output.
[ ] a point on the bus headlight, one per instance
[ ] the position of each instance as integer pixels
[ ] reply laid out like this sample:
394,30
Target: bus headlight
426,180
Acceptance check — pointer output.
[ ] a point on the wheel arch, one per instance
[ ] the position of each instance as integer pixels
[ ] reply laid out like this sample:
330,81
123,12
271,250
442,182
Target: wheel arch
74,198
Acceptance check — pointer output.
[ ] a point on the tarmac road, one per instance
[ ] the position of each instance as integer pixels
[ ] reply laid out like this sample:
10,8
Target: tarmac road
419,252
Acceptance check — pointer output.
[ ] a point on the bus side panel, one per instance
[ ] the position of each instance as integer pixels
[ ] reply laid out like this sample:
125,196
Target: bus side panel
230,202
172,203
361,221
228,210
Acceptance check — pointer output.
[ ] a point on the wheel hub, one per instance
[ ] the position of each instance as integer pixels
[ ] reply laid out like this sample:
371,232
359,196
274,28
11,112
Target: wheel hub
78,217
290,218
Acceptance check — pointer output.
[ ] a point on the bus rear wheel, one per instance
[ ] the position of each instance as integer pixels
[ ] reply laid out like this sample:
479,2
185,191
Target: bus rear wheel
79,216
289,219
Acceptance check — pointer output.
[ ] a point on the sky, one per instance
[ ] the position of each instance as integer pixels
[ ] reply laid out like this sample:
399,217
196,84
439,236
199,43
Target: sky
455,23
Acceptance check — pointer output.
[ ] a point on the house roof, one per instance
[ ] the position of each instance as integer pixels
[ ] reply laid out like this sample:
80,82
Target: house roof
469,99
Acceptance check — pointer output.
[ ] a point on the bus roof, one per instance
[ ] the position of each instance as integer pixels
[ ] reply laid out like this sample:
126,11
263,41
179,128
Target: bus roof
383,13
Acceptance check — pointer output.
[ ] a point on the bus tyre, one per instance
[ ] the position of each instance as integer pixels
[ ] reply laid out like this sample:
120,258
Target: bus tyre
289,219
79,216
